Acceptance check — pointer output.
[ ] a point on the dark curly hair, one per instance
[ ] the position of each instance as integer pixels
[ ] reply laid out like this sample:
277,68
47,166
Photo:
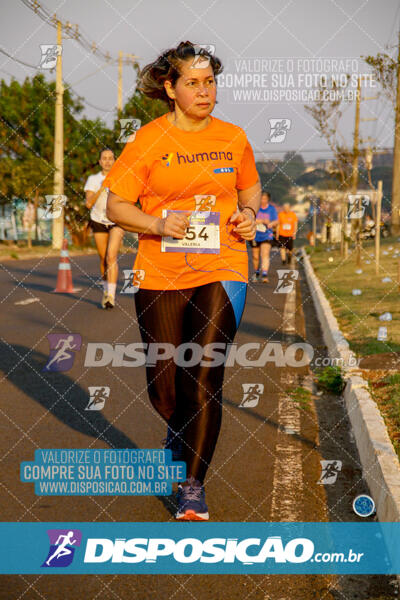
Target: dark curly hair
167,67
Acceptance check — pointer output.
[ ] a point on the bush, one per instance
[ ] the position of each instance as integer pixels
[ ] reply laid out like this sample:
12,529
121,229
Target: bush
331,379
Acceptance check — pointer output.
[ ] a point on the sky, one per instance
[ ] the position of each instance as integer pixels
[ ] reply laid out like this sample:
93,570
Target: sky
266,47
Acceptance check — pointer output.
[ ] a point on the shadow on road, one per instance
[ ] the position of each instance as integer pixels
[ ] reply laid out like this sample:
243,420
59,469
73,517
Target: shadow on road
64,398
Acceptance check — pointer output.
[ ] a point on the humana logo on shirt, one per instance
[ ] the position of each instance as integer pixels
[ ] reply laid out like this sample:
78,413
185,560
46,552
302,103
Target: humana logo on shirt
192,158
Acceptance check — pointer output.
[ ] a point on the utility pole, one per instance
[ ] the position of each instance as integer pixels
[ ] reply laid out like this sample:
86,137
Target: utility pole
119,105
354,176
131,57
396,157
314,221
58,186
378,227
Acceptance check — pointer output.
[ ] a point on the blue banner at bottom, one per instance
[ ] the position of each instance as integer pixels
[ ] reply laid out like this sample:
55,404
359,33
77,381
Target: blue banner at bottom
192,548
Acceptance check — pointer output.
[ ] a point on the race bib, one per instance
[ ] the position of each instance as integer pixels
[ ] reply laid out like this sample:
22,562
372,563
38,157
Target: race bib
202,235
286,226
261,227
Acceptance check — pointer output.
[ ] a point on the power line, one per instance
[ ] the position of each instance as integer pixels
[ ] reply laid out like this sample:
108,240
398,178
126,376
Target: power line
18,61
91,74
67,85
106,110
71,31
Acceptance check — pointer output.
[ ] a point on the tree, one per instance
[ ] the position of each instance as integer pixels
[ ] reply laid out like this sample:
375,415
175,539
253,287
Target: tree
319,178
141,107
387,72
384,69
293,165
327,114
277,184
27,147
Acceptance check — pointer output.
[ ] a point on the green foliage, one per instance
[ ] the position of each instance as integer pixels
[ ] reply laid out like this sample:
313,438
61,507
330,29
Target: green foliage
301,396
293,165
277,184
141,107
331,379
27,147
384,69
369,345
386,175
27,144
393,379
319,179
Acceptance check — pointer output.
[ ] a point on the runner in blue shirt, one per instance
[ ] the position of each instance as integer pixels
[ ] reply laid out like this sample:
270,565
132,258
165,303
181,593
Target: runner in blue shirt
267,217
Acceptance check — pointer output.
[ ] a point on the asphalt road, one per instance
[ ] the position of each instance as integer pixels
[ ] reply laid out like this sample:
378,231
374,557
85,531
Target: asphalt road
265,468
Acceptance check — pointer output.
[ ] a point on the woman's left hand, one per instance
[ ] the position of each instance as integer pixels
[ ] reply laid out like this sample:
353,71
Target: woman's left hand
245,224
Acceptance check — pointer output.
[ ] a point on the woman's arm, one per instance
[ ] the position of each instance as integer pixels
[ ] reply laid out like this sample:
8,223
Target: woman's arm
128,216
249,201
91,197
250,197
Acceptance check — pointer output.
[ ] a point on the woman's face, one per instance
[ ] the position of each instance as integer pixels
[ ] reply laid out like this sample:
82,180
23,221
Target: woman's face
195,90
264,200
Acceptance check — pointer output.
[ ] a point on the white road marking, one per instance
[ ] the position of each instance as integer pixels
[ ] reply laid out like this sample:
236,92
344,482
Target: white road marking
288,472
289,312
27,301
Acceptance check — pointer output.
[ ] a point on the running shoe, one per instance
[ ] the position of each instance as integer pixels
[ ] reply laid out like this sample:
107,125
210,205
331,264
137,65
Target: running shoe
173,443
254,278
192,502
110,301
104,300
264,278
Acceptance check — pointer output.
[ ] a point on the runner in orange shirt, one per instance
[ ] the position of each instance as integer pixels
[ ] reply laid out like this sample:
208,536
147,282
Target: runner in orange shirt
199,191
286,233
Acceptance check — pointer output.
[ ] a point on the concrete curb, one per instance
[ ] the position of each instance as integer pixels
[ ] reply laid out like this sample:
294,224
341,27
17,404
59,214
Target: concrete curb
381,468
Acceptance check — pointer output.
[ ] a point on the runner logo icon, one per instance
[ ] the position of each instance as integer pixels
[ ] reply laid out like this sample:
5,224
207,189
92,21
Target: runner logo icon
287,279
63,543
204,202
201,59
62,348
251,394
98,397
357,205
330,471
49,55
278,130
54,206
133,279
129,128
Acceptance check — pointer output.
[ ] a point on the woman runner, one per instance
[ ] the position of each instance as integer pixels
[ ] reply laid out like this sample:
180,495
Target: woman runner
199,191
267,217
108,236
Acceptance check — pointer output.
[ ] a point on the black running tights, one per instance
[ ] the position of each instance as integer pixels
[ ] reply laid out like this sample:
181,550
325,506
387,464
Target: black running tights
189,398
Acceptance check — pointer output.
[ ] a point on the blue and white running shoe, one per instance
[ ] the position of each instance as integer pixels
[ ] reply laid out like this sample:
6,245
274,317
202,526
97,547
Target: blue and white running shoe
192,502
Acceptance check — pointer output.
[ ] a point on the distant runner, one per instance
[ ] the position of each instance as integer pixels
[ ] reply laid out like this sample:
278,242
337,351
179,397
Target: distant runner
287,229
108,236
267,218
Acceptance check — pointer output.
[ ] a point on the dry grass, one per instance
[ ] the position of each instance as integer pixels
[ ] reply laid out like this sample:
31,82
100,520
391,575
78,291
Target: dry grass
358,316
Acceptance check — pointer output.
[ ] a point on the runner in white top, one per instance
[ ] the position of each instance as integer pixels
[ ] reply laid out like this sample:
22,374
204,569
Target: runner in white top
108,236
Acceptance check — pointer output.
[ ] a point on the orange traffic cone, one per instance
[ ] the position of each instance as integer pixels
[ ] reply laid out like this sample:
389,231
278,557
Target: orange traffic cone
64,278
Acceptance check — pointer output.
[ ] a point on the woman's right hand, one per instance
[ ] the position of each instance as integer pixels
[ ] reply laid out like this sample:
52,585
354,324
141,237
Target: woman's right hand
174,225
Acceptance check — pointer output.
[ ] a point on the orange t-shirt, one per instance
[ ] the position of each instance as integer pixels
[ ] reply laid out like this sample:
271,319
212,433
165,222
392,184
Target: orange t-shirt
168,168
287,222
